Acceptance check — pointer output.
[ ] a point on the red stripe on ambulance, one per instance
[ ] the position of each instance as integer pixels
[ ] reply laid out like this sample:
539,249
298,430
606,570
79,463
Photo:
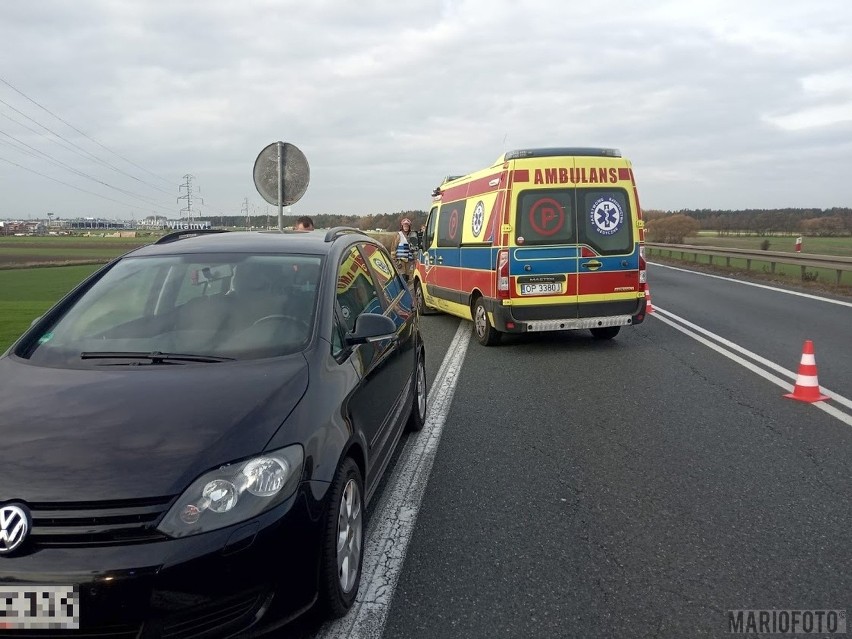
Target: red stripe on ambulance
476,278
472,189
603,283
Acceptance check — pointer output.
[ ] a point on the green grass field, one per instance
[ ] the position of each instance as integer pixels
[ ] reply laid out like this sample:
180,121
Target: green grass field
23,252
27,293
819,245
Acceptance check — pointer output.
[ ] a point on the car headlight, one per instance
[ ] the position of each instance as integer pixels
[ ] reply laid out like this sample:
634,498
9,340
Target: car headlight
235,492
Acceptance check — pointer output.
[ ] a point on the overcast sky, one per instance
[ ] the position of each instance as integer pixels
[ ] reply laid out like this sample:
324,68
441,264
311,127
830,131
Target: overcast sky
718,104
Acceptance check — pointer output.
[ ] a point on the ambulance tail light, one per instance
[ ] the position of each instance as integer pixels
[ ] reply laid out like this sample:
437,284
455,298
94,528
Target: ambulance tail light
503,275
643,273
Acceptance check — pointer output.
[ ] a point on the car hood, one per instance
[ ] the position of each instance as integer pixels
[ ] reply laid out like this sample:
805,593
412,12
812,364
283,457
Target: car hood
135,431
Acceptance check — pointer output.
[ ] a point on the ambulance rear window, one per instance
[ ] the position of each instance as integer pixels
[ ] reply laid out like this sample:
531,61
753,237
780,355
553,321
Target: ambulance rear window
545,216
605,221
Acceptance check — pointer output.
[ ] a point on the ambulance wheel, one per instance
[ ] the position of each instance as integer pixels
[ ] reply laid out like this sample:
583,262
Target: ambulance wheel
420,300
607,332
486,334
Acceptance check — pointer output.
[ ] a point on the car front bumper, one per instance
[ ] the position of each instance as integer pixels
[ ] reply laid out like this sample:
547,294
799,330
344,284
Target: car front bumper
216,584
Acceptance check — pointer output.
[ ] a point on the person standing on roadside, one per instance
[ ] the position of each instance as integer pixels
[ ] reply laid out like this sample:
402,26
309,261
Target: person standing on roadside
405,245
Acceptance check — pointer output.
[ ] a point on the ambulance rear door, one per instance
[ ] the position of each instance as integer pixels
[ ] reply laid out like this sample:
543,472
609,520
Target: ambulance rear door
607,235
543,265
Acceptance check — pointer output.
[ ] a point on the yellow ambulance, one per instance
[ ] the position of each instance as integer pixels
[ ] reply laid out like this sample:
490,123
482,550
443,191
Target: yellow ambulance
544,239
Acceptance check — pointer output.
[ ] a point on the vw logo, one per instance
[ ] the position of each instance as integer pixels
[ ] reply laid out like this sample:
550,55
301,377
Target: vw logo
14,526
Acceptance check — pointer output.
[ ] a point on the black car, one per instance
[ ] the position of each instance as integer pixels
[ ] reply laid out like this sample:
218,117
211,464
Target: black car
188,439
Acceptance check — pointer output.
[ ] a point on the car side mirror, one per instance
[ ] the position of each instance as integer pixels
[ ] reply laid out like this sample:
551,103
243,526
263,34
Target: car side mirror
370,327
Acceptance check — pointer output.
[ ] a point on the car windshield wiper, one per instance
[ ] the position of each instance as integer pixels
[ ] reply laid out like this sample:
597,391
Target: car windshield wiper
156,357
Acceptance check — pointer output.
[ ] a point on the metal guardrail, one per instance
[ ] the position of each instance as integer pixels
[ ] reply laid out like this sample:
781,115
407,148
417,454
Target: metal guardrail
837,263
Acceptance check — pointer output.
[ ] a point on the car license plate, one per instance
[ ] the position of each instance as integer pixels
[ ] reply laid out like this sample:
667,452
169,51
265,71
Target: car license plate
542,288
39,607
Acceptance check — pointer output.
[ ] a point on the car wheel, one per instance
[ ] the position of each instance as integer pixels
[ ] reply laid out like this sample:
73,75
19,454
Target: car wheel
343,541
420,300
607,332
418,405
486,334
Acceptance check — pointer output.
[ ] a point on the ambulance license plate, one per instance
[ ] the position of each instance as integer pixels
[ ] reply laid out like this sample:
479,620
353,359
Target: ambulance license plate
542,288
39,608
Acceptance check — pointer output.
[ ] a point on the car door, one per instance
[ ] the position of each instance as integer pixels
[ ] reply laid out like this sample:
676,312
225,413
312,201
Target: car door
372,406
399,306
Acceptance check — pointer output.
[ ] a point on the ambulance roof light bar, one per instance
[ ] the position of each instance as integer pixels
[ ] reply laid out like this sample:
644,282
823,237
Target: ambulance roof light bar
566,150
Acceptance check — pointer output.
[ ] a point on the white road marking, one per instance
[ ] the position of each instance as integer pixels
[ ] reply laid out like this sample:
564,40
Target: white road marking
392,523
831,410
771,288
840,399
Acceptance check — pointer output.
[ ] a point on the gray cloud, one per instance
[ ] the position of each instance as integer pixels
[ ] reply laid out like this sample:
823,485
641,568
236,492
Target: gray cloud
718,104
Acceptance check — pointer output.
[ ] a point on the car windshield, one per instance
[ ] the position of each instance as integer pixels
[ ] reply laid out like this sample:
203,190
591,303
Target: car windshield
203,308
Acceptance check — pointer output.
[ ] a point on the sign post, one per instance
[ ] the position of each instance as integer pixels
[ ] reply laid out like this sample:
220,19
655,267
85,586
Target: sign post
281,176
280,188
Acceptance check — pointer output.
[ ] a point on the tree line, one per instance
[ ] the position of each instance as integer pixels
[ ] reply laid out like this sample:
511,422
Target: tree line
833,222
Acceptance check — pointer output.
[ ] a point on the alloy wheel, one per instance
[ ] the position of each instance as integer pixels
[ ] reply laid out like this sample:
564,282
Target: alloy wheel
349,531
421,389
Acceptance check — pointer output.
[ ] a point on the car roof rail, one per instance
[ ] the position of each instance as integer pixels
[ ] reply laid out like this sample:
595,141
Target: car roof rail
337,231
184,233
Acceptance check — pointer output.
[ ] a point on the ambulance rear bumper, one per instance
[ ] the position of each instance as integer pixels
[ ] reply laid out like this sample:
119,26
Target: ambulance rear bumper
548,318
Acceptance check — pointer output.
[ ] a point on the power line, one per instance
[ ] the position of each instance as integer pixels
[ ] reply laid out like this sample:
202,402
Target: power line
64,145
81,132
104,197
77,146
61,164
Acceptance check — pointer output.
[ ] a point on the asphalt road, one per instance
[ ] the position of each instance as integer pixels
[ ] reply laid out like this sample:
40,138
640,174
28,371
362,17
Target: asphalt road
635,488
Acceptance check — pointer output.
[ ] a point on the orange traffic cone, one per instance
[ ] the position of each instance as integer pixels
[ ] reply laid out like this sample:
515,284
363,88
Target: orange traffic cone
648,308
807,385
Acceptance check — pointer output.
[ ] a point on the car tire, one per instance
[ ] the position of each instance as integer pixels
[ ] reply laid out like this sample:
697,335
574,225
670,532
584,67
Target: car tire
343,541
606,332
486,334
420,301
417,419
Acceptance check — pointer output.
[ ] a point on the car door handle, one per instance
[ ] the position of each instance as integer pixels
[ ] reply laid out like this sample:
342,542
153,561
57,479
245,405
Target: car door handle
592,265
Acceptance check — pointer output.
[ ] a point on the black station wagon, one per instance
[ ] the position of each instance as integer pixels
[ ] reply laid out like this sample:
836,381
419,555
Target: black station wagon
191,436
